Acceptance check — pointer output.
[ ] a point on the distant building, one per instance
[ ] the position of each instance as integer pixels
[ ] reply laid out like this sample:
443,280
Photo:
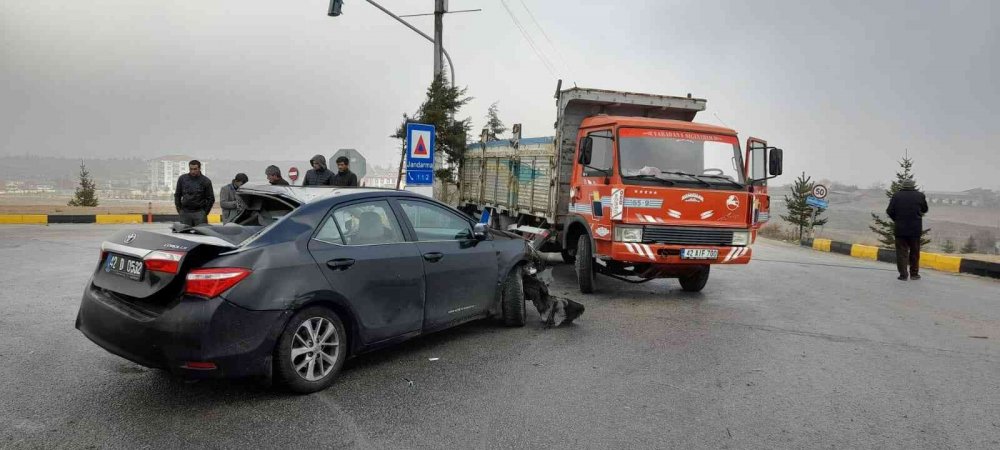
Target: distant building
972,197
380,177
164,171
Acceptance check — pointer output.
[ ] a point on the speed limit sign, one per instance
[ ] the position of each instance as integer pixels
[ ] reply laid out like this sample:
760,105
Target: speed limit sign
819,191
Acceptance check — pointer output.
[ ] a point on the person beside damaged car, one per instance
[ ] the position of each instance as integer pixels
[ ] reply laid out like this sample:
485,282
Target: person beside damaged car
319,175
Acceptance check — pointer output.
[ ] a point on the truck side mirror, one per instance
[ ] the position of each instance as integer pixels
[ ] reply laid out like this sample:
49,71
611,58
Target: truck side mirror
586,149
774,162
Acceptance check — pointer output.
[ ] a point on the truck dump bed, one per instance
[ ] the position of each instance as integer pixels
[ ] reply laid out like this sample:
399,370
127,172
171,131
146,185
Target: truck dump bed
534,179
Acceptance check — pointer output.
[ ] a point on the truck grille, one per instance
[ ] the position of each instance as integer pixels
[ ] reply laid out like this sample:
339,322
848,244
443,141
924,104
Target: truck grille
687,235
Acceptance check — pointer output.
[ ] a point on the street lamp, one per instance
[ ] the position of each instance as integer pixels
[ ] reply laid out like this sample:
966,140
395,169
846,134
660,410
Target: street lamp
335,6
440,6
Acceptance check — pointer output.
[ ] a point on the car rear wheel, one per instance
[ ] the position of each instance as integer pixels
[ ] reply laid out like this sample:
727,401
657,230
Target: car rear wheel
696,281
311,350
585,265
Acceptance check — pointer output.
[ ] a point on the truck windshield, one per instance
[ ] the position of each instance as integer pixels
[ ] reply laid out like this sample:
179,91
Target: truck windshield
646,155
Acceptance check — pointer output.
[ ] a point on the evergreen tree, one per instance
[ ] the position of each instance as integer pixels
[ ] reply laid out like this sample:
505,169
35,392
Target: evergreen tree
969,247
494,126
439,109
799,212
86,193
886,228
948,247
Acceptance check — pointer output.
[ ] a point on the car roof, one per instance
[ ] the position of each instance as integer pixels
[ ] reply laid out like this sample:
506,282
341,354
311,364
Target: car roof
311,194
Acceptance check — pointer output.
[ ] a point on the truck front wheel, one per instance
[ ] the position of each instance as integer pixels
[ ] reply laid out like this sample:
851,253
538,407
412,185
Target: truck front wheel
696,281
585,264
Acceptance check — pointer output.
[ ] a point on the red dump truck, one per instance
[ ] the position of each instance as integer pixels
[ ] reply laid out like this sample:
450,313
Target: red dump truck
629,187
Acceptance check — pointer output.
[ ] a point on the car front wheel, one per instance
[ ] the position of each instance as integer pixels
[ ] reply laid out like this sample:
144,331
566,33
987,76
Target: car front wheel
512,303
311,351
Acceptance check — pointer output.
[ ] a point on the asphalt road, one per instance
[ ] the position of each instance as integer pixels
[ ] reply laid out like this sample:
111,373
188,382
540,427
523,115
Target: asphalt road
799,349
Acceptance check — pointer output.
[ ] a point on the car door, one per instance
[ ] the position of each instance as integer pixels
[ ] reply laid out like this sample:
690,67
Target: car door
460,272
361,250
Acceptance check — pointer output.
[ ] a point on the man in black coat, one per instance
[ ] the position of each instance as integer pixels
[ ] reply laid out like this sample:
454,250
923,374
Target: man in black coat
344,176
194,197
907,209
319,175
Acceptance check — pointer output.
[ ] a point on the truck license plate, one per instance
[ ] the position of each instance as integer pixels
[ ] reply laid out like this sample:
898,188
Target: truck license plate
699,253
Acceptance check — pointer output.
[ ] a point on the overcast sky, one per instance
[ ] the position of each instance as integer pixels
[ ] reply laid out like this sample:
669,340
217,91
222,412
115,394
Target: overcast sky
845,87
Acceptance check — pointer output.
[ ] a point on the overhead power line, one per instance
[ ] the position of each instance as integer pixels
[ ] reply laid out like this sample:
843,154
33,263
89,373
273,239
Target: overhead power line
545,35
531,42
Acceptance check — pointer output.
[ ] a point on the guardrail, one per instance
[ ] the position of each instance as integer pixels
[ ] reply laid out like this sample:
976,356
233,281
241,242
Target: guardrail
936,261
45,219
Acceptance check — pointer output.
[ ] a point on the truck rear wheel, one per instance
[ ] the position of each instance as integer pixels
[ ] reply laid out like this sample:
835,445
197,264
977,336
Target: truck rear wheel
696,281
585,264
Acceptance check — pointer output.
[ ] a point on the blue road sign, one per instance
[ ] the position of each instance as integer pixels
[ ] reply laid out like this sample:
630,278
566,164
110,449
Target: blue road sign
420,178
419,154
813,201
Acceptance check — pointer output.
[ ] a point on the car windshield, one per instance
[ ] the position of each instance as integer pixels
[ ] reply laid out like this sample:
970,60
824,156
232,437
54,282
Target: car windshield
680,157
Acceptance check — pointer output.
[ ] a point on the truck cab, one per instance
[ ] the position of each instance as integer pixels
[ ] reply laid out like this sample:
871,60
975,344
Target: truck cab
662,198
630,187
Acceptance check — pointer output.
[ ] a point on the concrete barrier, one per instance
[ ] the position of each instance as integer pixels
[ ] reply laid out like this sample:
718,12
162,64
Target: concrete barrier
936,261
104,219
118,218
24,219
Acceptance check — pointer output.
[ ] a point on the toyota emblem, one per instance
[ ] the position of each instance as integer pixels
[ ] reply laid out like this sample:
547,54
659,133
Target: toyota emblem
129,238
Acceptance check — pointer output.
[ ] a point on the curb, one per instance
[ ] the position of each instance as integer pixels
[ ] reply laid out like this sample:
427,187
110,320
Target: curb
936,261
101,219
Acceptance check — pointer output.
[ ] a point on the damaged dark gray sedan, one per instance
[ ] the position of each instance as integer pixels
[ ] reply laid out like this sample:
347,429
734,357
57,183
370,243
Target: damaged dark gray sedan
305,278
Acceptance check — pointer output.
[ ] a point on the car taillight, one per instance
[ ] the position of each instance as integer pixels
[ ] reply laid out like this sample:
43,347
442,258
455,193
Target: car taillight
162,261
214,281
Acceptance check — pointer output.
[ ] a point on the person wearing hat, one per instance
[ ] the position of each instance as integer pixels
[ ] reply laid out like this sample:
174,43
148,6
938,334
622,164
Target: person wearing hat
907,209
228,199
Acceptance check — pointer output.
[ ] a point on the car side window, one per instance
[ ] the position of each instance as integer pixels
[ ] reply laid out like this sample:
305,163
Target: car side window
601,156
369,223
329,232
433,223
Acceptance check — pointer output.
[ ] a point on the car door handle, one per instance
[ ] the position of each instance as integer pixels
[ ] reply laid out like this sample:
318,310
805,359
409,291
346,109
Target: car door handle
340,263
433,256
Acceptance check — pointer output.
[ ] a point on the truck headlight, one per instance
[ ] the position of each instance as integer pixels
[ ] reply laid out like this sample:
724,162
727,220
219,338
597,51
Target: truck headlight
741,238
628,234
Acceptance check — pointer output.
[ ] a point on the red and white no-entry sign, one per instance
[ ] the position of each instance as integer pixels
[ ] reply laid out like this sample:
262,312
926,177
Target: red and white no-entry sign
293,173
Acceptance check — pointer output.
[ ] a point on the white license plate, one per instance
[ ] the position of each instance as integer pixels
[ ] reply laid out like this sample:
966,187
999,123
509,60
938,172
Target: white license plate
699,253
128,267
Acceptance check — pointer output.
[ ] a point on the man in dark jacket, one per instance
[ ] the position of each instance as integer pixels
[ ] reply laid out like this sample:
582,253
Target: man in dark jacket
319,175
907,209
194,196
273,174
344,176
228,199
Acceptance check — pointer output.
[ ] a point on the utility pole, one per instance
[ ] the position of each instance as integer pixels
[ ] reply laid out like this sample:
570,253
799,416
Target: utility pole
440,7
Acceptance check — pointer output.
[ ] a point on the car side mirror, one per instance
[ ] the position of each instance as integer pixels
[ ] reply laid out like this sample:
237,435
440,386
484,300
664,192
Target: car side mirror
586,149
479,231
774,162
